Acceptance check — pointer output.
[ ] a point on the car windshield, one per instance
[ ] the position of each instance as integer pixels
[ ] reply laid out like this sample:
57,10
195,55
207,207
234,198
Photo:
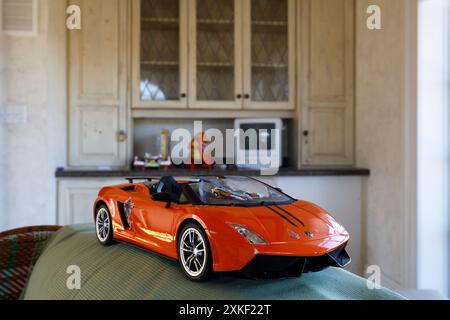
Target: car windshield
236,191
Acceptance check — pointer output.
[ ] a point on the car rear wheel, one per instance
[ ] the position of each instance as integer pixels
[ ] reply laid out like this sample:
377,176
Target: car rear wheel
103,226
194,253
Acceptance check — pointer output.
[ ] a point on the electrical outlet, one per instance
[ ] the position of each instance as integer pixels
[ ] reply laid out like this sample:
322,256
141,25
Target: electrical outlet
13,115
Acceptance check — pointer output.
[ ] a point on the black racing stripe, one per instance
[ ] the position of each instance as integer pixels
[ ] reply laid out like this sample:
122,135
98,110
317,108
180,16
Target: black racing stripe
291,215
282,216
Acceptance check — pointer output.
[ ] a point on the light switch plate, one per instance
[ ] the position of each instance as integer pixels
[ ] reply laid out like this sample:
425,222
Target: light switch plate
14,114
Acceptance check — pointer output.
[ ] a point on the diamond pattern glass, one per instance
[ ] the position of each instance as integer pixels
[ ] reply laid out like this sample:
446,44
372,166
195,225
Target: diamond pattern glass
270,76
160,50
215,50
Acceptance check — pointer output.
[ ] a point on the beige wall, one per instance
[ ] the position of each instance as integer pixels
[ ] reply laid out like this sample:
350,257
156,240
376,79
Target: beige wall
25,145
383,117
3,74
27,150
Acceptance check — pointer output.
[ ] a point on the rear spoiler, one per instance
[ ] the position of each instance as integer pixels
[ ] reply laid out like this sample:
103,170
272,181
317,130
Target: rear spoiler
149,179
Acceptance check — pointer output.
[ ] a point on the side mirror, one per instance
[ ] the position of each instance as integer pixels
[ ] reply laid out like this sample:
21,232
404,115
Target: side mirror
163,197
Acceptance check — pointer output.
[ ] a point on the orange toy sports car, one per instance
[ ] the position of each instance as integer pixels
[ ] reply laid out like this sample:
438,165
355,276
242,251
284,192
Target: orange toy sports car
216,224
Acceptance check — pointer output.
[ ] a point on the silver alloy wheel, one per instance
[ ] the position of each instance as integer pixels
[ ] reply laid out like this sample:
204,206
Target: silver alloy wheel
193,252
103,224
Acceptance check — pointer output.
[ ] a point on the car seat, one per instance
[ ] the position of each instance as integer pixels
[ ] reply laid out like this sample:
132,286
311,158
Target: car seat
170,185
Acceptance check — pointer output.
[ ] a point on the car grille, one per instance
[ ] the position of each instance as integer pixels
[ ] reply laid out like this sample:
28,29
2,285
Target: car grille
267,266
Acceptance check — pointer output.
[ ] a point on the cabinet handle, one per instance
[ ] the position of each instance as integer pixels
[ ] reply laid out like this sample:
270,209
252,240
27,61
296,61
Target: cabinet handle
239,96
247,96
183,95
122,136
306,135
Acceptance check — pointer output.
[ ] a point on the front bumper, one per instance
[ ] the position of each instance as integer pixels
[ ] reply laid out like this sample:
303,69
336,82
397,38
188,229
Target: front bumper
237,256
269,265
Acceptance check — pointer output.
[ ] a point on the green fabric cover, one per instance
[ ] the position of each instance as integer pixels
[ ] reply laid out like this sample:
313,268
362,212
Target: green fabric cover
122,271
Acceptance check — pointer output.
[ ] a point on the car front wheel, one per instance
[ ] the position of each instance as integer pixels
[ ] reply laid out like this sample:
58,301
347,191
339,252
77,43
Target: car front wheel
194,253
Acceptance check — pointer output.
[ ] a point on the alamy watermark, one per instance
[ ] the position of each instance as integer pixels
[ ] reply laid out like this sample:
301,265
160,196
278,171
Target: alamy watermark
246,148
73,281
374,19
73,21
373,281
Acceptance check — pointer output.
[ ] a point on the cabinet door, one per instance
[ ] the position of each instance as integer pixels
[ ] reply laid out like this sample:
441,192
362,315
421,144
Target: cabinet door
215,54
269,54
97,85
76,199
327,82
159,53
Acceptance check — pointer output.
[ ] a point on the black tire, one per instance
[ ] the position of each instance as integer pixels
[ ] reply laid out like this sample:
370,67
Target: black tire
204,252
105,237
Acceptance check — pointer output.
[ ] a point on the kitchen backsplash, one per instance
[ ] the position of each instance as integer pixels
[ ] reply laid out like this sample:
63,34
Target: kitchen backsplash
147,133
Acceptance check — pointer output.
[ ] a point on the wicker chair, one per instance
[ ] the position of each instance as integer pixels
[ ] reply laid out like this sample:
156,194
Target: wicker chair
19,251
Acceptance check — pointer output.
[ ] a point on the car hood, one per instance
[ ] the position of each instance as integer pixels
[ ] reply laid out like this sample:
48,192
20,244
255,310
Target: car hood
283,223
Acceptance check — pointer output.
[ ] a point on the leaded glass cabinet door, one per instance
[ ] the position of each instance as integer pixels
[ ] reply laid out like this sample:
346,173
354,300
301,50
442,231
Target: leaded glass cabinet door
269,54
215,54
160,53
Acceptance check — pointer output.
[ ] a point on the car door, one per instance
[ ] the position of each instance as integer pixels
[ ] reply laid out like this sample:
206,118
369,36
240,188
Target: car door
153,224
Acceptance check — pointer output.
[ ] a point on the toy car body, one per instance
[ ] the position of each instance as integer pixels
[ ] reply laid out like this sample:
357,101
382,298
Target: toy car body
217,224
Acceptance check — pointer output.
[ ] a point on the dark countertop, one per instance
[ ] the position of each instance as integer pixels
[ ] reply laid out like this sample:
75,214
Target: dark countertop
284,172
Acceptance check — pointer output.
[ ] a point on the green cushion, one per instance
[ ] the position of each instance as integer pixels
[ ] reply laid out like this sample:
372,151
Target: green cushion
122,271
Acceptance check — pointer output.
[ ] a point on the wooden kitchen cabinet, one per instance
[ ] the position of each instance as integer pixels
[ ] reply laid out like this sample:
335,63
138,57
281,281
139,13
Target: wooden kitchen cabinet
215,54
326,87
76,198
98,122
159,53
269,54
235,54
237,58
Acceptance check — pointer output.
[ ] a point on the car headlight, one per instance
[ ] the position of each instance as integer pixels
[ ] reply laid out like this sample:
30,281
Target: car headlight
248,234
